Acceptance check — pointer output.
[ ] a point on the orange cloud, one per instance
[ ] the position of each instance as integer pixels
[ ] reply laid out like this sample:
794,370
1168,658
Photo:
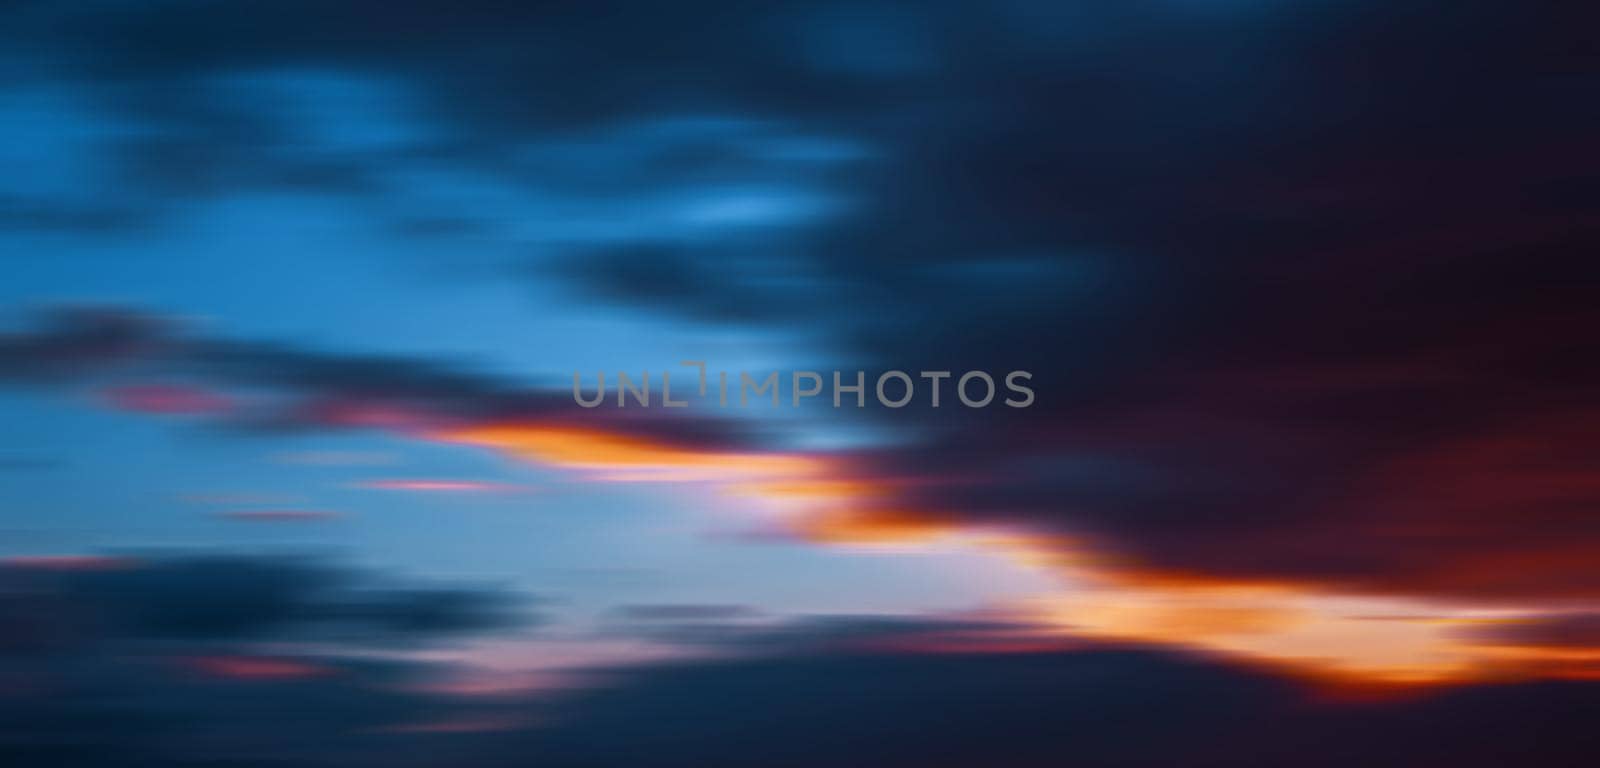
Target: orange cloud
656,461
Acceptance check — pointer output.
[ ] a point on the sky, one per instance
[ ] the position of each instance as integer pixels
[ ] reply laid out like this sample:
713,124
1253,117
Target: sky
293,295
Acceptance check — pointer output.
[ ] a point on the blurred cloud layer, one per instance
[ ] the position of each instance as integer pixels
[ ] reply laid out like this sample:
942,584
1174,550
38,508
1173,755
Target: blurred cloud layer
293,293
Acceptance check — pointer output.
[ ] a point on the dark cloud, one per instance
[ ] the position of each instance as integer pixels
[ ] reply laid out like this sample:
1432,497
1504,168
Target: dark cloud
1319,309
210,659
1095,707
180,660
229,599
155,363
1559,631
712,286
1316,309
73,342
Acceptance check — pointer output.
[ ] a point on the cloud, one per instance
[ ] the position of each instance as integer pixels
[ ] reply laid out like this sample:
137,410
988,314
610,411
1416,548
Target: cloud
199,599
706,282
208,658
1147,503
166,400
1098,706
156,363
72,342
1570,630
1565,641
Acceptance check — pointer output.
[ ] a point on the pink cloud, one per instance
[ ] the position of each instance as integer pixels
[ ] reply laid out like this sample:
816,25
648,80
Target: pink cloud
167,399
254,668
67,562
